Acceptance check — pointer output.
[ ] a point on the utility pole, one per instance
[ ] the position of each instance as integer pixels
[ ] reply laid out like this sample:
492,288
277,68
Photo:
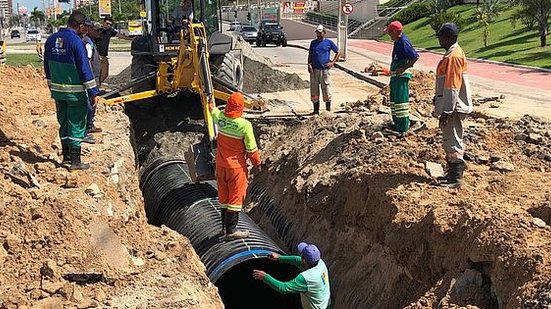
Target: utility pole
342,30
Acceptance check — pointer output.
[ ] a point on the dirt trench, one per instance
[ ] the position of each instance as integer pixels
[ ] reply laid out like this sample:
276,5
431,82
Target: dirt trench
393,240
81,239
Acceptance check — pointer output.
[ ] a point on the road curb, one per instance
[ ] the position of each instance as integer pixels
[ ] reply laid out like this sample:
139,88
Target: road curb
355,74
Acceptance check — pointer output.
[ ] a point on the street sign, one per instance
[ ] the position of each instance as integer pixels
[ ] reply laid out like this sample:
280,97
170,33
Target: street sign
104,8
347,8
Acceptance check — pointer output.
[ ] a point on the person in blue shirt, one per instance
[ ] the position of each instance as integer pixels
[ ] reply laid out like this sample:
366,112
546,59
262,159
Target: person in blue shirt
404,57
319,64
71,84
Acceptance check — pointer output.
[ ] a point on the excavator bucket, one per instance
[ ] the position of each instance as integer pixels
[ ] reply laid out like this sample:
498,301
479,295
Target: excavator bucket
200,162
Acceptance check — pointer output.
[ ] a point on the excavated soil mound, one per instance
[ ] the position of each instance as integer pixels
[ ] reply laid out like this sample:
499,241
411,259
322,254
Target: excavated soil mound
80,239
259,78
390,237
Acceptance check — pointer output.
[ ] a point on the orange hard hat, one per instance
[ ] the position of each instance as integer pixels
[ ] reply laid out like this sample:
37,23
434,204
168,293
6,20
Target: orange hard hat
235,105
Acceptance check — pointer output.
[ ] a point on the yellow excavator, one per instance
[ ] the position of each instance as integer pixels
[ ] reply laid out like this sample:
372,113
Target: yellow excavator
195,56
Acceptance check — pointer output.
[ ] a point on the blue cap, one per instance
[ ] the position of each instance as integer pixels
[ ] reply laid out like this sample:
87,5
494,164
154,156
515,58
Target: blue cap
310,253
447,29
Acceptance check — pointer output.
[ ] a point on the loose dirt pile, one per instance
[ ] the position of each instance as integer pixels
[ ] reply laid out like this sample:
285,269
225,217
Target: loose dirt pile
261,78
80,239
390,237
258,77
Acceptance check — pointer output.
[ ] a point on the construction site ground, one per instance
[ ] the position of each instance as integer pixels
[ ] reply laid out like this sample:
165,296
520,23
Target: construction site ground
390,237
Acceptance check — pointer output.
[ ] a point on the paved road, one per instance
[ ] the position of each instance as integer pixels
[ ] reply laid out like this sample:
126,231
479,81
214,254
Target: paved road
345,88
301,31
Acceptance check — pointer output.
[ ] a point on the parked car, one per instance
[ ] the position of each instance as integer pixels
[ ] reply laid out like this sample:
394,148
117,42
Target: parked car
15,34
248,33
234,25
32,35
271,32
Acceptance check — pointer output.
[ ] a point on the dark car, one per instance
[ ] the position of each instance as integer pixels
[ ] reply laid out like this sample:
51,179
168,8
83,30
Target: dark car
270,32
15,34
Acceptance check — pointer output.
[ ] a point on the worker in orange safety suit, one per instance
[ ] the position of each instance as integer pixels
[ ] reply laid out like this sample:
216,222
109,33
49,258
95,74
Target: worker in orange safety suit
235,143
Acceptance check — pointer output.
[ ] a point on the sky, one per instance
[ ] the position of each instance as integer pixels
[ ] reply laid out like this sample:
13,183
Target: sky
30,4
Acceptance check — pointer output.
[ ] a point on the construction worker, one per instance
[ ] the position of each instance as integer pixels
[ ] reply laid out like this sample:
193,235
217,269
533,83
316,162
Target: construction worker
453,103
71,84
182,14
235,143
404,57
92,33
102,44
319,64
312,283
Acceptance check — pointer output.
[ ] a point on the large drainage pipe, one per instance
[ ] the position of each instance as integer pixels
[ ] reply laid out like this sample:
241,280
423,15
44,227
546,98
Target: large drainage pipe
172,199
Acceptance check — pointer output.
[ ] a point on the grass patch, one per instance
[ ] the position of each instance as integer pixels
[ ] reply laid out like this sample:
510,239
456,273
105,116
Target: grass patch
505,44
19,60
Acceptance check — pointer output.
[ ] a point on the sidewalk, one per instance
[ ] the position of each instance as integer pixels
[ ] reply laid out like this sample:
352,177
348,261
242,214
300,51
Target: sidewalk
492,71
526,90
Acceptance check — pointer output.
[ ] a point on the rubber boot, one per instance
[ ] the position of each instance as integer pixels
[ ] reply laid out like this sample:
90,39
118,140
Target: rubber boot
223,212
232,217
455,177
66,154
316,108
328,106
76,164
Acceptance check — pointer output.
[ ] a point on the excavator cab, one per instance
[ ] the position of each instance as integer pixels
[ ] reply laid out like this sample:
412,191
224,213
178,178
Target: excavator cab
183,49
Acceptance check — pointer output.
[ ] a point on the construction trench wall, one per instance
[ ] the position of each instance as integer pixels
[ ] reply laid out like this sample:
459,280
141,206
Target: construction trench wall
389,238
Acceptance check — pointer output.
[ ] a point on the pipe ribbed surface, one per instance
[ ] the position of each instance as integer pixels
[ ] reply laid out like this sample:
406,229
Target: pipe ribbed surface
193,210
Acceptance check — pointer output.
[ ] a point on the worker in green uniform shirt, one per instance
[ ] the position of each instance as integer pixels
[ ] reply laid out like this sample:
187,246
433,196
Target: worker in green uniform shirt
404,57
312,283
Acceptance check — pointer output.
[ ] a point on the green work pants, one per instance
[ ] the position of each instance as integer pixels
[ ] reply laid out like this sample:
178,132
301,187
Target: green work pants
71,116
399,103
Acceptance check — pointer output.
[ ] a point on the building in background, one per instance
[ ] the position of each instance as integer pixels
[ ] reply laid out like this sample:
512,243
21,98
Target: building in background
6,6
81,3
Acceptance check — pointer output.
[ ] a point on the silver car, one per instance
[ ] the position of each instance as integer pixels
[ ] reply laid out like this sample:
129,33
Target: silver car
248,33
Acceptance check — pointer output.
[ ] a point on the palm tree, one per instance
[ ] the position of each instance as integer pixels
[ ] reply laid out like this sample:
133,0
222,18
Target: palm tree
37,17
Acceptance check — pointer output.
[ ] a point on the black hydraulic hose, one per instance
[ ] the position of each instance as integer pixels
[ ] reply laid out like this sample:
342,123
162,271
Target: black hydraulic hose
193,210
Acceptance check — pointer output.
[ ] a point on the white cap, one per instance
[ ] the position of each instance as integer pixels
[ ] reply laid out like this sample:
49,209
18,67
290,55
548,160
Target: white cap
320,28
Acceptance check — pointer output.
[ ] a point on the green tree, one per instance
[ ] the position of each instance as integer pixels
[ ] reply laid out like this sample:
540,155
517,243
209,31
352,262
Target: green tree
37,17
541,11
485,14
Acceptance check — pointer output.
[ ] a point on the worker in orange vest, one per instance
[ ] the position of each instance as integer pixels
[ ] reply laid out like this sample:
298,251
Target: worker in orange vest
235,143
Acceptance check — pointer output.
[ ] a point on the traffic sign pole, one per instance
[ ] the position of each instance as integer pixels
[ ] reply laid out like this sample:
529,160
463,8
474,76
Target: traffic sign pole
342,29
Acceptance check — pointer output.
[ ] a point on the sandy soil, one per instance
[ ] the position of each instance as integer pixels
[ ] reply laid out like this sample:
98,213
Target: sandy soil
80,239
390,237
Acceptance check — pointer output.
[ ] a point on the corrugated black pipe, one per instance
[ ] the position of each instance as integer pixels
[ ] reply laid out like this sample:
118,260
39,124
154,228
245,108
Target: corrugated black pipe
172,199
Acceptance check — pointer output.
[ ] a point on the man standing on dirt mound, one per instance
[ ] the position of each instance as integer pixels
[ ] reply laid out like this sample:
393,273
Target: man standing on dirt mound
452,103
71,81
404,57
235,143
319,64
312,283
